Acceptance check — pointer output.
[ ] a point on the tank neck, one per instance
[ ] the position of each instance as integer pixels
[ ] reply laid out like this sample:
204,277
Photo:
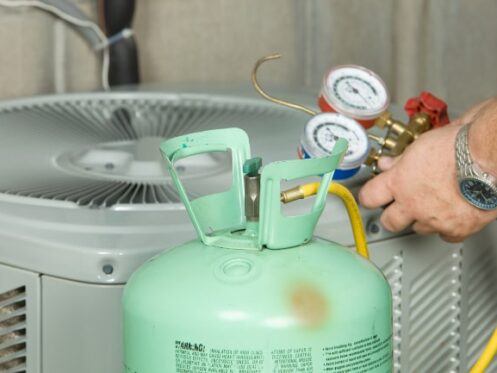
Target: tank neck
246,238
252,188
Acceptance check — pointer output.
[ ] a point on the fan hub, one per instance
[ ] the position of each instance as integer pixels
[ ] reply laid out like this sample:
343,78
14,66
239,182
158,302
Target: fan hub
132,160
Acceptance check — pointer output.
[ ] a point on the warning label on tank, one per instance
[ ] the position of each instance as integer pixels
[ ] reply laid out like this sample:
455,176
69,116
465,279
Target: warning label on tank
290,360
363,355
195,357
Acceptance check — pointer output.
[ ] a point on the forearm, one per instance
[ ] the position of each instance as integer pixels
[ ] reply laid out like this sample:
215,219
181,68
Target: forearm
483,138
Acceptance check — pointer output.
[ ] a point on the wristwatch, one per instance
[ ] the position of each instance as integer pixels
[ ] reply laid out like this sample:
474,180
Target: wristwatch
478,187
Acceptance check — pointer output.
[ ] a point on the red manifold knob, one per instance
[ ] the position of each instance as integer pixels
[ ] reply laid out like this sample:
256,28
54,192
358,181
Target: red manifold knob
431,105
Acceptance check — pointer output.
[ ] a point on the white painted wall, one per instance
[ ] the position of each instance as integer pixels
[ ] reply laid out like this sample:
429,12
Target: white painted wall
447,46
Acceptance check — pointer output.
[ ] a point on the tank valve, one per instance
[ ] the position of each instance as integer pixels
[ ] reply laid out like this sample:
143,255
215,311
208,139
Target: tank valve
252,182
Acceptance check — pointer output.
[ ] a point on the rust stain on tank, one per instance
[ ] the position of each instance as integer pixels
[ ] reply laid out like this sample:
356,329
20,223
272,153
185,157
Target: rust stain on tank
309,305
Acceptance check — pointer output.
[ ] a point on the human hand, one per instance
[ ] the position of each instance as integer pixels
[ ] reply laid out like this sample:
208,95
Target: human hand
421,187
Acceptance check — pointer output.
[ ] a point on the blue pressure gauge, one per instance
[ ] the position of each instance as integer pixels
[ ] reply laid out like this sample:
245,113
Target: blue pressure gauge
322,132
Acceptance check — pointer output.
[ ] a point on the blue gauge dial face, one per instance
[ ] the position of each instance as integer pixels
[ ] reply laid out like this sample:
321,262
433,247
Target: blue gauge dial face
323,130
327,134
479,193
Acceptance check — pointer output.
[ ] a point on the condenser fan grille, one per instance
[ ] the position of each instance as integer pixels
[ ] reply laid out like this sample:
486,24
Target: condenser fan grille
101,150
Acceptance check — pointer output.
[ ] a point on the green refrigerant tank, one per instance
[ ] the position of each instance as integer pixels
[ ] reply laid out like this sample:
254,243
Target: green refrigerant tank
256,292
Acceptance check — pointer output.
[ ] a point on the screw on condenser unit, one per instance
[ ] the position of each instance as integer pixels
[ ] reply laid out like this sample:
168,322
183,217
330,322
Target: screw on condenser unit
108,269
373,227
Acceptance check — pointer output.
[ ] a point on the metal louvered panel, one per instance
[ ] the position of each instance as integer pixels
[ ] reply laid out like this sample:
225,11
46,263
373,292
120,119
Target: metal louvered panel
393,273
13,330
434,316
482,306
104,193
102,150
124,119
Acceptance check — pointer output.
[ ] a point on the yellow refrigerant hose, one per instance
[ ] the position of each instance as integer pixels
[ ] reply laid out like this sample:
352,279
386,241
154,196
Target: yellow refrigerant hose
307,190
487,355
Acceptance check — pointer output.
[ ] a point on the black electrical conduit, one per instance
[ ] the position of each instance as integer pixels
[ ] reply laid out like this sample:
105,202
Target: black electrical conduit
115,16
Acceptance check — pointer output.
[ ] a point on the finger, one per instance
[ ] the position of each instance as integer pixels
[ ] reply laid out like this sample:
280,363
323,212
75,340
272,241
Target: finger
386,163
452,239
375,193
422,229
395,218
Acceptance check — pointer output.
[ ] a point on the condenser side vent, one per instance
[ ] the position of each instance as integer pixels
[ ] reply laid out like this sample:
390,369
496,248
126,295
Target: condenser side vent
13,330
482,304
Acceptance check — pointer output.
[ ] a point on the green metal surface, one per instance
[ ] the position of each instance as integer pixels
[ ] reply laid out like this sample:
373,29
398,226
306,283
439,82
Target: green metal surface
315,297
310,306
216,216
277,230
216,212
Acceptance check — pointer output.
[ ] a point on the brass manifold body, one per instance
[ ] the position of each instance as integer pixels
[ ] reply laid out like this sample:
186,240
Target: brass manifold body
398,135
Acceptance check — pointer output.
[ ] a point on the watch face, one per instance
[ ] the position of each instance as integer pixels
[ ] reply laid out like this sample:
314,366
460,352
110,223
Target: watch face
479,193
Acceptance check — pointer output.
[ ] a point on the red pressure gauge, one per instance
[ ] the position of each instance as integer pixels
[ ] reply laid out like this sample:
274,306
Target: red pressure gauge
356,92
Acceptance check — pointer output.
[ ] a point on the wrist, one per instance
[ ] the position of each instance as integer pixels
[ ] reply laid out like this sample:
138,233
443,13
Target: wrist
482,137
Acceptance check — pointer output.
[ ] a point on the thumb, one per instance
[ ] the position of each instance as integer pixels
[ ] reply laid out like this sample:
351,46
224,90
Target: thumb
386,163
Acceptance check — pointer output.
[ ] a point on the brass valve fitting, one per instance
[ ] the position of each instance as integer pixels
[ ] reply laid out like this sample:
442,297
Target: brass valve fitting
419,123
425,111
394,126
398,136
373,157
292,194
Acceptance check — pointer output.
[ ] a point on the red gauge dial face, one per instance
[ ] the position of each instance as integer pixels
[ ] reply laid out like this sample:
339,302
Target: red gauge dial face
356,91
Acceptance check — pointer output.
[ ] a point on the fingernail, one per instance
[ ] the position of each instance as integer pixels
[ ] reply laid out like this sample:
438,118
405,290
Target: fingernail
385,163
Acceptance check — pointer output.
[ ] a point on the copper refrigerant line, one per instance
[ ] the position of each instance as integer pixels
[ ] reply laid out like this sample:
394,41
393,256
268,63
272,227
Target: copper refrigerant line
268,97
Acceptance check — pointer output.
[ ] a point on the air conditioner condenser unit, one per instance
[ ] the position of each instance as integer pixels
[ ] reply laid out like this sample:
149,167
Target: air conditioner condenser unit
85,199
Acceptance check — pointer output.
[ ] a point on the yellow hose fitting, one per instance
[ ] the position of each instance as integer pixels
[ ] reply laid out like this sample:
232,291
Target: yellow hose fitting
307,190
291,195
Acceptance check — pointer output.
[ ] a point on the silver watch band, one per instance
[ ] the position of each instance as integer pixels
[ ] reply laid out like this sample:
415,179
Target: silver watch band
463,158
464,163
